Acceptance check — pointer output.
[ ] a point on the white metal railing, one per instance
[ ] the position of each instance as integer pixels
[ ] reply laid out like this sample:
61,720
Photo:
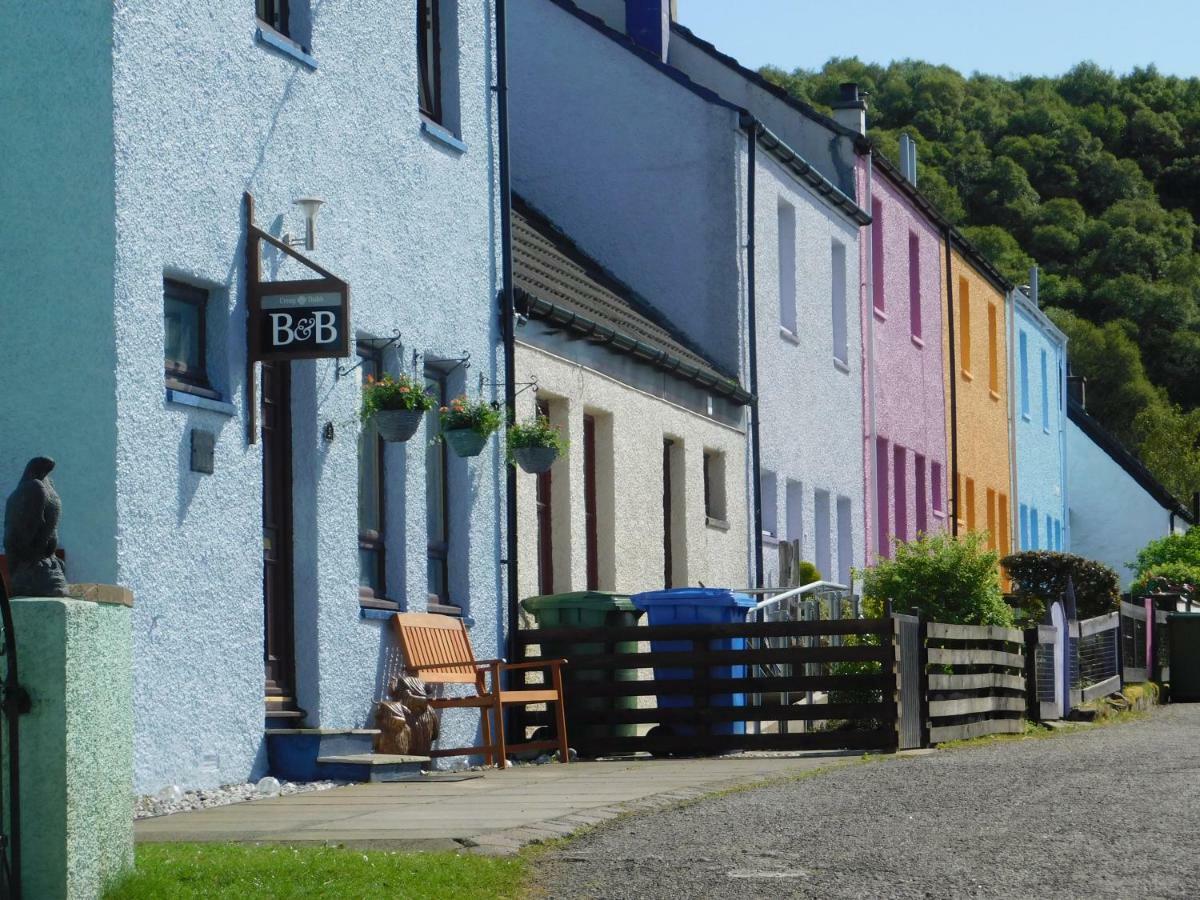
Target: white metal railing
791,593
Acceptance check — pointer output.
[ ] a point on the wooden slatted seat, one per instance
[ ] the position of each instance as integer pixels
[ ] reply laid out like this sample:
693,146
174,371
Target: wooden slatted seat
437,649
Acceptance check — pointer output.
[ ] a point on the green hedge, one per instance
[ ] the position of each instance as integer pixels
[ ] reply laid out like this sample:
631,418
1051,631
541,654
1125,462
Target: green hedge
1040,577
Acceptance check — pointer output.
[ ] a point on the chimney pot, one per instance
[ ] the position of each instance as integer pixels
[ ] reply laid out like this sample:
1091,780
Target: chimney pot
850,109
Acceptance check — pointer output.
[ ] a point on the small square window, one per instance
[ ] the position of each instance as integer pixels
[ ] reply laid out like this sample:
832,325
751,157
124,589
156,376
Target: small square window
185,309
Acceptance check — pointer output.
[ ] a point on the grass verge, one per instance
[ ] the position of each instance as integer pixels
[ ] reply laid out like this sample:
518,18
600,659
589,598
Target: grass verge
247,872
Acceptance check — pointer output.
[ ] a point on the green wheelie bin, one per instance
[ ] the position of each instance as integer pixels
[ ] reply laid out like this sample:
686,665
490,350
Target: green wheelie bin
587,609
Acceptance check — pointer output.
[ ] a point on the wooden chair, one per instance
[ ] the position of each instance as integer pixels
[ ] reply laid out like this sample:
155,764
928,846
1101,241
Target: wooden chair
437,649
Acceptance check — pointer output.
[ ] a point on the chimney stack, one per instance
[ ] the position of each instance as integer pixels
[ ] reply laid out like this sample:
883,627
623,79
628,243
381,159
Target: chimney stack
850,109
1033,287
908,158
648,24
1077,390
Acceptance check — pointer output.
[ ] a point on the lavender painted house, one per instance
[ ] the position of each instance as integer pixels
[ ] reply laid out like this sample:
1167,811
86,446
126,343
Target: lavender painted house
904,419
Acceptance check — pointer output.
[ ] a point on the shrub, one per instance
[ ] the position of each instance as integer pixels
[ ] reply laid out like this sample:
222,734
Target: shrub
1174,548
1040,577
1168,578
808,573
479,416
387,392
954,580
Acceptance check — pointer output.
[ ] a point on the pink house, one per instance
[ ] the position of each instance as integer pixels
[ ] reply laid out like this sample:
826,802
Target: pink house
904,418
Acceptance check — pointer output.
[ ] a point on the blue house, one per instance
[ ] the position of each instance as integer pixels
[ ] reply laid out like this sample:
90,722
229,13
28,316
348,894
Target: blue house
1037,392
265,534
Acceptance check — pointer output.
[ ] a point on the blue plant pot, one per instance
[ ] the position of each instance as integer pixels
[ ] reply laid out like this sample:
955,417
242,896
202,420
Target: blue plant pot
398,425
535,460
465,441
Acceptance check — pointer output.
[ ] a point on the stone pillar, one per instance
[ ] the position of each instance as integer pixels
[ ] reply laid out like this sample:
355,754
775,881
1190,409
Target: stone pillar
76,742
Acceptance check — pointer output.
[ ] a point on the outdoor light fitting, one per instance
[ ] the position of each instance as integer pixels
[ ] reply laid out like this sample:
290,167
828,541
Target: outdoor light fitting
310,205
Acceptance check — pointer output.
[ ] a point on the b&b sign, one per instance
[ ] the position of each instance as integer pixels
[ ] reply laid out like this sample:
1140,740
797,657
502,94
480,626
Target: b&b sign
302,320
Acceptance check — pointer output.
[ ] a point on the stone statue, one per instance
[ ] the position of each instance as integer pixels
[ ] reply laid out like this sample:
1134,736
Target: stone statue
407,726
31,534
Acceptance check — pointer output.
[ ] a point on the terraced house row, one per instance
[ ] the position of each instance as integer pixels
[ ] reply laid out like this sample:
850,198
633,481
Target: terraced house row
752,328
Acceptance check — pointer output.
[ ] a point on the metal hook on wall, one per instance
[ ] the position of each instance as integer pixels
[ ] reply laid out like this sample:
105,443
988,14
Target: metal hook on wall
464,361
523,385
383,344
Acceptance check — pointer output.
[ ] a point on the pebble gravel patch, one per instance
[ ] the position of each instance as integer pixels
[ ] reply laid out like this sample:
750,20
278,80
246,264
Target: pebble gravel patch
1106,812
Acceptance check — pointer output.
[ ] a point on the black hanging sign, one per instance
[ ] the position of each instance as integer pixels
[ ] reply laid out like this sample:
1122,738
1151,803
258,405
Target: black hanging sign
304,319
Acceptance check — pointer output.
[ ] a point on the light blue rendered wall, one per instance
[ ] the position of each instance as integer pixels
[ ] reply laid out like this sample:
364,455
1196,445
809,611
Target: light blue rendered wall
1039,431
203,112
57,352
632,164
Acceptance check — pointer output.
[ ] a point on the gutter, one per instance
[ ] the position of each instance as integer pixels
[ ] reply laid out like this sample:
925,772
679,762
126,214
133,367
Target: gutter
953,492
826,189
507,320
753,130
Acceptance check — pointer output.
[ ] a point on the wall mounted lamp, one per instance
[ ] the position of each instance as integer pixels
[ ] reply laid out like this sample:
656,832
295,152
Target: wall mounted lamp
310,206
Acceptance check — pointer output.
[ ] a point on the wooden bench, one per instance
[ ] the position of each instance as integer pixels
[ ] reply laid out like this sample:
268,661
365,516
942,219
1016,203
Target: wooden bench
437,650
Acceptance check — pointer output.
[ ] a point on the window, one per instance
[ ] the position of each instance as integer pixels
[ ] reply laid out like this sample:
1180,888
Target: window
1049,532
770,504
970,501
545,535
1004,522
185,309
275,13
922,495
591,542
787,265
845,546
1024,526
1058,542
900,474
714,485
993,351
1045,395
437,507
795,513
1034,543
914,283
429,59
841,350
935,478
824,550
882,501
991,519
370,491
877,255
1023,361
964,326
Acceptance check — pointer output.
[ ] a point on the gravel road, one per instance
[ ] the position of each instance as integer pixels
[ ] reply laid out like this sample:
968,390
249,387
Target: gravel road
1105,812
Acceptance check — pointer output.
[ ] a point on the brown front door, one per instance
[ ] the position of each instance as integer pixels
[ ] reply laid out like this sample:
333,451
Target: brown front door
278,648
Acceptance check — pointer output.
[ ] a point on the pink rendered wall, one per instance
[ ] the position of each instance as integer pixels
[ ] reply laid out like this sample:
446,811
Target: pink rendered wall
909,378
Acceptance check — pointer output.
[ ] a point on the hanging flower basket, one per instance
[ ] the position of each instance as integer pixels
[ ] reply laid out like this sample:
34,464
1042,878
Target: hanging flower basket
534,446
398,425
395,405
465,441
535,460
466,426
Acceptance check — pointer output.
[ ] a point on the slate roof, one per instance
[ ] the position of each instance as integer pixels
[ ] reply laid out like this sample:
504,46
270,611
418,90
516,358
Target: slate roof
1126,460
555,280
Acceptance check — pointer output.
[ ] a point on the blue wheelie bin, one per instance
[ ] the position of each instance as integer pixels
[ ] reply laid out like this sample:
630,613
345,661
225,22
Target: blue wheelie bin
691,606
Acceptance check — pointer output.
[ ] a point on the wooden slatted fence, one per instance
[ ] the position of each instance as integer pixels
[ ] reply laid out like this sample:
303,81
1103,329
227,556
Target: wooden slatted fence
706,688
976,680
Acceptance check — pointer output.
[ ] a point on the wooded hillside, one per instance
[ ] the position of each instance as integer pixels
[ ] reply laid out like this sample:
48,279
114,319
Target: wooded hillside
1096,178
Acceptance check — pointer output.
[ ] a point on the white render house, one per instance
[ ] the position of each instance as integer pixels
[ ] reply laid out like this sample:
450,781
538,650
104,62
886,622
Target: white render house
652,492
264,533
668,173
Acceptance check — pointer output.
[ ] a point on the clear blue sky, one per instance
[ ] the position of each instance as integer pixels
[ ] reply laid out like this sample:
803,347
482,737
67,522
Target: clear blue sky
1001,37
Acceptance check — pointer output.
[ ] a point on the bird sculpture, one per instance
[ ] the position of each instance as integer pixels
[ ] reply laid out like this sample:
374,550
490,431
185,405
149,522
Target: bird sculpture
407,726
31,534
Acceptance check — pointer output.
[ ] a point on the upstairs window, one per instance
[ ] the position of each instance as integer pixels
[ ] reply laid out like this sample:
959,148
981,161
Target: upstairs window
993,350
274,13
914,284
1045,394
787,265
429,59
877,255
185,309
964,326
1023,353
841,347
935,483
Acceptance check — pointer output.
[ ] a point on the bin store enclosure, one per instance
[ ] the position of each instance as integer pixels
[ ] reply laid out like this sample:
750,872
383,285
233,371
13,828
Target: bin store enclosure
692,606
588,609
